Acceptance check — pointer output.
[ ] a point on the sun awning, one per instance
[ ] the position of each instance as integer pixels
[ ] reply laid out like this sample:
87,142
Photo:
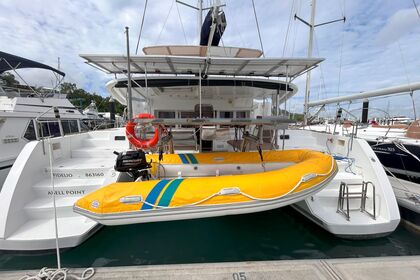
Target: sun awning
11,62
161,64
214,51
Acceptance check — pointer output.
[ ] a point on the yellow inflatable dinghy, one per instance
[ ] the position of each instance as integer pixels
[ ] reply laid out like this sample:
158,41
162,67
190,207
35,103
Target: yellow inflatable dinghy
211,184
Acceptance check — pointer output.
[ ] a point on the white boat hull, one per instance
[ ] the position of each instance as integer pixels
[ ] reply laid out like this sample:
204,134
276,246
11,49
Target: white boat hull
322,207
81,163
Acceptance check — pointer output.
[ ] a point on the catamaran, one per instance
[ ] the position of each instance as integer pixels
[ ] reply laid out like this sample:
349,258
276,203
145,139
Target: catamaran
220,100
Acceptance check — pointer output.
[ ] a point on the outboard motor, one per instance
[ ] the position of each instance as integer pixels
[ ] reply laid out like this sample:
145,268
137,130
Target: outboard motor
134,163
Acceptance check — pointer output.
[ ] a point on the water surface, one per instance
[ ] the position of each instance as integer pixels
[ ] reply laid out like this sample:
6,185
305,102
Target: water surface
280,234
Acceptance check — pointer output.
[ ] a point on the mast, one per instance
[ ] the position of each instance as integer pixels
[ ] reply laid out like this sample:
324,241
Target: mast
200,17
199,9
308,75
312,26
129,97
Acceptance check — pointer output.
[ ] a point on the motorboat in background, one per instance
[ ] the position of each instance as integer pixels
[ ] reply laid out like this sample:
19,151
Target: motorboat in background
27,114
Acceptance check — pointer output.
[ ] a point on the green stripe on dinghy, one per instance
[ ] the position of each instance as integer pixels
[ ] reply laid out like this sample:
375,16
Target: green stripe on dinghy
154,194
169,192
183,159
192,158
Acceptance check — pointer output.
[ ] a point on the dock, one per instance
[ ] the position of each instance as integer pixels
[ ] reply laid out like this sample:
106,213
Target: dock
384,268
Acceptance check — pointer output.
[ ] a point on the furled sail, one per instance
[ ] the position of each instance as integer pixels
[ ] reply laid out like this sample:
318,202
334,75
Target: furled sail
220,21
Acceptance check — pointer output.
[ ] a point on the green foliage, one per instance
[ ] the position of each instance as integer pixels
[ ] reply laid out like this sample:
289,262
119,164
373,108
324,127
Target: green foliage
297,117
81,98
9,79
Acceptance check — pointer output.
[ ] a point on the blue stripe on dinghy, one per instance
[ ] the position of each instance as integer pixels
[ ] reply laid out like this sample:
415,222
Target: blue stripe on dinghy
169,192
192,158
154,194
183,158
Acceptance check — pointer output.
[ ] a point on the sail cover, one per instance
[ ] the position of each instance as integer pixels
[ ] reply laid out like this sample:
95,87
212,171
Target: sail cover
206,28
10,62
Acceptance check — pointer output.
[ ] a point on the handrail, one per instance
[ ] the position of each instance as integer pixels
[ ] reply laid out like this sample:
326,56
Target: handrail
345,195
364,197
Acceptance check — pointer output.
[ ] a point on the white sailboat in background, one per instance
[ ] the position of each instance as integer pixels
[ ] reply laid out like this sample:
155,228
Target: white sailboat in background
396,144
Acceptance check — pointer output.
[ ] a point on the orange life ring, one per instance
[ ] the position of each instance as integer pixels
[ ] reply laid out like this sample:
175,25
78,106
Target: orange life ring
137,142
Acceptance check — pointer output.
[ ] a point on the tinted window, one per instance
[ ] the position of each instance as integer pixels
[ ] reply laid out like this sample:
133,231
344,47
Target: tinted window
50,128
166,114
30,132
226,114
241,114
187,114
69,126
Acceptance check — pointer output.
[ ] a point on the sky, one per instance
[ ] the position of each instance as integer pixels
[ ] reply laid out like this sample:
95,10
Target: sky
378,45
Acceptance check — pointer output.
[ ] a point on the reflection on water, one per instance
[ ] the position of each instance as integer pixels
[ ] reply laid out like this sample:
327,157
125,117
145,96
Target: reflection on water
273,235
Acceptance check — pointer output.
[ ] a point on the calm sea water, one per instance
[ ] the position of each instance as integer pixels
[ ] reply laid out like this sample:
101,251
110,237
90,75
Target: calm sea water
274,235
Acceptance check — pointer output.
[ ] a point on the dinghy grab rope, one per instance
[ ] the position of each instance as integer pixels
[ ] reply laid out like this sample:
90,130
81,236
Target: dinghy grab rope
235,191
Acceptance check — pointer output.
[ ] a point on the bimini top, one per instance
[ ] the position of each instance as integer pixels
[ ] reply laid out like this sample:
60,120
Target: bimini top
164,64
10,62
212,51
212,87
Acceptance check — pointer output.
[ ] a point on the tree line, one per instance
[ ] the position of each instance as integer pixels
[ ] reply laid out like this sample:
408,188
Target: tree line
81,98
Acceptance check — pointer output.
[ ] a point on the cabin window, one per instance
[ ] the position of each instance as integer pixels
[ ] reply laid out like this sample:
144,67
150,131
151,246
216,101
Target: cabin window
226,114
30,131
50,128
69,126
187,114
166,114
242,114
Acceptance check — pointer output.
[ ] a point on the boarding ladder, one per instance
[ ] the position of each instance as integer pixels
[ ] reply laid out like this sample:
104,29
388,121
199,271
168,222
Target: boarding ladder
344,197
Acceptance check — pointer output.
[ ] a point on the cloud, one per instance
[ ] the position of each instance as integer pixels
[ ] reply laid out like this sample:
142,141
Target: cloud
398,25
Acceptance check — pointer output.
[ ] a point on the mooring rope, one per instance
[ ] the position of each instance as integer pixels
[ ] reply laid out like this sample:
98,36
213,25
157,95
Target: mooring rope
60,274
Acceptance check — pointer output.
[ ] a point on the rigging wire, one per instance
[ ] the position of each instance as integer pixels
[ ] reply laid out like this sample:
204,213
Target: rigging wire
141,26
288,28
164,24
296,27
408,79
258,28
238,32
341,61
321,68
182,25
415,6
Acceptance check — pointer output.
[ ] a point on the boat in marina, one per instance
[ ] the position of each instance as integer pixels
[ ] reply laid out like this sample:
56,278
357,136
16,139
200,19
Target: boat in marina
395,141
360,175
222,103
28,115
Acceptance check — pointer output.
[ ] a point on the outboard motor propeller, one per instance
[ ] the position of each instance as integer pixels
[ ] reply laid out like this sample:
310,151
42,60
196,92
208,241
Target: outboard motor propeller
134,163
